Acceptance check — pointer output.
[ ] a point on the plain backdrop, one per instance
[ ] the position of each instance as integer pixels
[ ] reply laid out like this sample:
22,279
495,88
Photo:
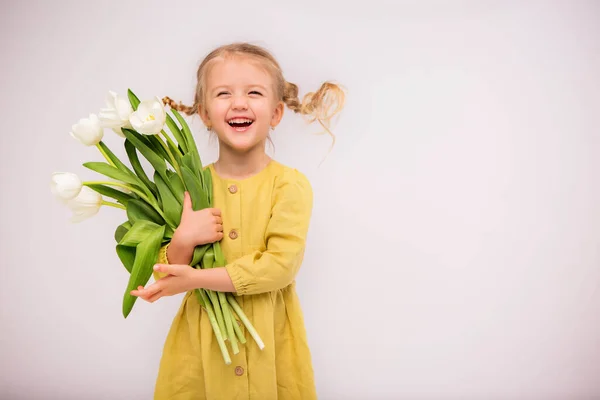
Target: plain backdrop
454,247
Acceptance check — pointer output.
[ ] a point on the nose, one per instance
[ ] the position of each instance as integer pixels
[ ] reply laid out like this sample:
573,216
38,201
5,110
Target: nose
239,103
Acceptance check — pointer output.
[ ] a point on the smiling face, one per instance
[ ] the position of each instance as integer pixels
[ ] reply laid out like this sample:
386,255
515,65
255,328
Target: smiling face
240,103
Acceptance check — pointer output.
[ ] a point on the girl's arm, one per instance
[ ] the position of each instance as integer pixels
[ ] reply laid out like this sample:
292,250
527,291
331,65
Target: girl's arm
260,271
277,266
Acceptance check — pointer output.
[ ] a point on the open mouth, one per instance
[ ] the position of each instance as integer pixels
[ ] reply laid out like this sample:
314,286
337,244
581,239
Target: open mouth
240,124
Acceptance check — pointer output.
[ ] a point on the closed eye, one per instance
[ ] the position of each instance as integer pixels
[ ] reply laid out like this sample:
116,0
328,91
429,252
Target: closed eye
256,92
220,93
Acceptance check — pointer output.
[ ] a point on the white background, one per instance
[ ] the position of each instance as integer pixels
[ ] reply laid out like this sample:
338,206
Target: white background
454,249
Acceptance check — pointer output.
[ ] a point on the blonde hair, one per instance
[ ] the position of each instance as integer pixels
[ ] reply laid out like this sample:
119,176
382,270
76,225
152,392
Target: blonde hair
321,105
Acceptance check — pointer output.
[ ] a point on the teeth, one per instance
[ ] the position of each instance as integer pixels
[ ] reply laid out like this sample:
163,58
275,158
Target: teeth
240,120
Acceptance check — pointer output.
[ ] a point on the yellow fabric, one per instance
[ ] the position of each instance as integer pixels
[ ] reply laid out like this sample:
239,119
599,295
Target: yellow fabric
270,212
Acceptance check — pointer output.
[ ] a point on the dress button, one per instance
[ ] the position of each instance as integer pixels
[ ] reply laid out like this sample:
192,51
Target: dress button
239,371
233,234
232,189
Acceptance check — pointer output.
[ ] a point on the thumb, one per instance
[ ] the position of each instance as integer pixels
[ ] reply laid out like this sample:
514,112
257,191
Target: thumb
170,269
187,201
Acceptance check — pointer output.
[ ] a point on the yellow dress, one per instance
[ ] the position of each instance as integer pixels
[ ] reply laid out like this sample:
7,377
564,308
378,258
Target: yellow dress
265,222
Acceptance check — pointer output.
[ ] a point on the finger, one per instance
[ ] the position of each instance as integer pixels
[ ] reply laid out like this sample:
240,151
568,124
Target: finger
219,236
153,289
171,269
215,211
218,220
155,296
187,201
219,228
140,292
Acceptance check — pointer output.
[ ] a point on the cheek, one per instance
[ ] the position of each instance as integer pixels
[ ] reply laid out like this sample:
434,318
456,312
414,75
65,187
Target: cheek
218,109
264,109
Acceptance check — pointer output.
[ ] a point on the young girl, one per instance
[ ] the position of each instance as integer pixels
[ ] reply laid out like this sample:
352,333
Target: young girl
261,215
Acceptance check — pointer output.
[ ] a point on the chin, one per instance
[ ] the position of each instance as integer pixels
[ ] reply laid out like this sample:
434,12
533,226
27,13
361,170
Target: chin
243,141
244,146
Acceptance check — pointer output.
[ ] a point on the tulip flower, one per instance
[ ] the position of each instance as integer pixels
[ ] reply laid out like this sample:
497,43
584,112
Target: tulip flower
116,114
65,185
85,205
88,131
149,118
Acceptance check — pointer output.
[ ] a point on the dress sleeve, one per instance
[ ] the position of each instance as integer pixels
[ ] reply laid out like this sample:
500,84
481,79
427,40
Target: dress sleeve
162,259
276,267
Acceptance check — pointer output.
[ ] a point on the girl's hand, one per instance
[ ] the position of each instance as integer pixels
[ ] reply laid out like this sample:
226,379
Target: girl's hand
198,227
180,279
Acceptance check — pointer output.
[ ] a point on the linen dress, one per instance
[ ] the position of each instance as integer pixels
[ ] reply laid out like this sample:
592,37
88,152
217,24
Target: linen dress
265,223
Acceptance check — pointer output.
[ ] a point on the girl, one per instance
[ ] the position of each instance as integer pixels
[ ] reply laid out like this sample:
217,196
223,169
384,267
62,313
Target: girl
261,216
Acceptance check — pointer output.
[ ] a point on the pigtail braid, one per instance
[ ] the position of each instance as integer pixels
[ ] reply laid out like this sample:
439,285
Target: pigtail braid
320,106
188,110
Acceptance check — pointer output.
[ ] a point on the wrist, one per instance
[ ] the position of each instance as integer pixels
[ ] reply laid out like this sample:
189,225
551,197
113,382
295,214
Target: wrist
183,241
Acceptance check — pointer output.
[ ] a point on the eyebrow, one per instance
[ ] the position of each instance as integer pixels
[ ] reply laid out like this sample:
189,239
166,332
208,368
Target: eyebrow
221,87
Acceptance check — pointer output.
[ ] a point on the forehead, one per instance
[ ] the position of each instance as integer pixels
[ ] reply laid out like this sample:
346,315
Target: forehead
237,71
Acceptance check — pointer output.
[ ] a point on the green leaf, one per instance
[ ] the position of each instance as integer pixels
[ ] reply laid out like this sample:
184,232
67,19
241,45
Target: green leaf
199,252
138,232
133,99
146,256
127,256
188,161
115,159
194,187
154,159
219,257
155,144
108,191
179,136
137,166
122,230
176,186
208,186
176,151
208,260
139,209
112,172
189,140
171,207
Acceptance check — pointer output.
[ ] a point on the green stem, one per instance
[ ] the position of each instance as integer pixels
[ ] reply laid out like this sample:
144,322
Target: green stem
238,310
237,329
213,321
119,184
111,204
228,322
218,313
105,155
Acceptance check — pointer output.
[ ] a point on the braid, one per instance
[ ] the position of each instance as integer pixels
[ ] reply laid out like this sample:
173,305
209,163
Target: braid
188,110
320,106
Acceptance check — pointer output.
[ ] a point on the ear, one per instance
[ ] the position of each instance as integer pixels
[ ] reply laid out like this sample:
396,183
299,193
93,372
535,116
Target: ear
204,115
277,114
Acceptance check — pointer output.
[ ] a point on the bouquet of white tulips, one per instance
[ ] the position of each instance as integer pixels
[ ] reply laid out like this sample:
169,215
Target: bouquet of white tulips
153,202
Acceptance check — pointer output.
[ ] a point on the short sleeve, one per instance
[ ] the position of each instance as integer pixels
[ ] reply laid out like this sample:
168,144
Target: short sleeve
277,266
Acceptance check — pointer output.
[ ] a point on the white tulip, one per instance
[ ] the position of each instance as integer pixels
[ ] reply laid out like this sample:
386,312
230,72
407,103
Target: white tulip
149,118
88,131
65,185
85,205
116,114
